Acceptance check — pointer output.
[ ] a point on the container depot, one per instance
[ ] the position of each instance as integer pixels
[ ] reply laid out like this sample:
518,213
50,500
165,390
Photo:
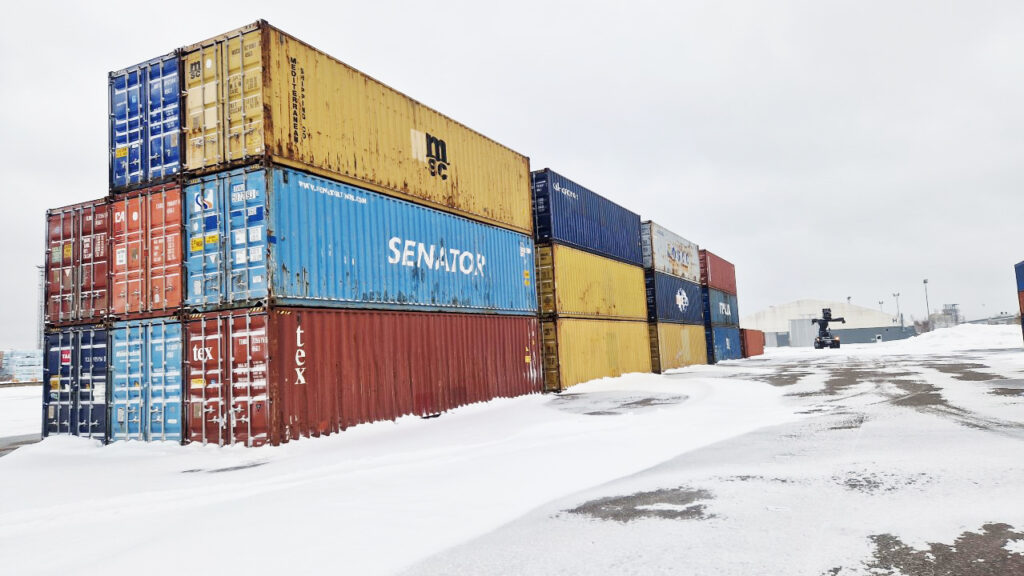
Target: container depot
145,380
77,263
257,92
568,213
672,299
752,342
717,273
75,382
259,377
146,251
572,282
720,308
577,350
145,122
331,244
676,345
723,343
669,253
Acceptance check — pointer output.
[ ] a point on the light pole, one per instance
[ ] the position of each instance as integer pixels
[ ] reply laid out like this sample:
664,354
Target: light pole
928,316
880,302
896,295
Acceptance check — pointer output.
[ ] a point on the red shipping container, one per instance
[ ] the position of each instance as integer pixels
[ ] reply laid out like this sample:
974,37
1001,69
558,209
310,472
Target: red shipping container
146,251
1020,302
752,342
256,377
717,273
77,263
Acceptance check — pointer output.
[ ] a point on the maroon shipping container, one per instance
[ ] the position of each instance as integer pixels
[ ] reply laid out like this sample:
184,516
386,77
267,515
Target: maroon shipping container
77,263
752,342
256,376
717,273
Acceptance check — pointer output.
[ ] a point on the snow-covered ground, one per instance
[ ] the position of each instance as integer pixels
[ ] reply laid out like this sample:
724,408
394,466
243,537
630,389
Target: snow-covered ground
20,410
800,462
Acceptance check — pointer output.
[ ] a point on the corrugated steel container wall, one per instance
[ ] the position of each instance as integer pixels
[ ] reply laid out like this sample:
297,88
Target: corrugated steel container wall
331,244
723,343
752,342
676,345
75,382
333,369
1020,302
145,122
672,299
145,380
578,350
78,263
257,91
576,283
568,213
147,255
720,308
1018,270
717,273
668,252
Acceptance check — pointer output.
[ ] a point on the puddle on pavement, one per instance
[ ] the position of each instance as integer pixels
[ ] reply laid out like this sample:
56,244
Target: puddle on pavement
786,376
613,403
982,553
967,371
668,504
918,394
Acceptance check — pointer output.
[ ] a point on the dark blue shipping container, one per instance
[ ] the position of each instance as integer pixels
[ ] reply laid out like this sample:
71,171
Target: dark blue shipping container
723,343
671,299
145,122
75,382
568,213
298,239
720,308
1019,270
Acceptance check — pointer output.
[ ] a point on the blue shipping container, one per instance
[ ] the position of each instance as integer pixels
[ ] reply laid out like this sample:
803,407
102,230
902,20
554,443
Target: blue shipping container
75,382
723,343
294,238
720,308
145,380
1019,270
145,122
671,299
568,213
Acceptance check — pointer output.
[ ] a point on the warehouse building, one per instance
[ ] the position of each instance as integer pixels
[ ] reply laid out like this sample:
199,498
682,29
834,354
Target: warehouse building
790,324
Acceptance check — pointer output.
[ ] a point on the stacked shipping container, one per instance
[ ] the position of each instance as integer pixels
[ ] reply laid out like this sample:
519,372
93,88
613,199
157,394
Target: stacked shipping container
721,313
751,342
674,308
590,282
1018,270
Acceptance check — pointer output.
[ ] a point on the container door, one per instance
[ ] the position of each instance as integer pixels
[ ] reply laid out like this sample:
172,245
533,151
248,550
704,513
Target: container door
57,396
164,269
204,224
163,413
145,125
128,250
93,263
128,395
207,402
127,123
75,383
91,389
246,198
60,266
248,417
163,120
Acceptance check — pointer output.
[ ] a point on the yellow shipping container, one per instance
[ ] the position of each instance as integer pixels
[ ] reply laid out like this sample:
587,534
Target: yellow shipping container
572,282
676,345
258,92
577,350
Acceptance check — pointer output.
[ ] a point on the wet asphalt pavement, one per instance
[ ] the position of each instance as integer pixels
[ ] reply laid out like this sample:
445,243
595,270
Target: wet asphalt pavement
9,444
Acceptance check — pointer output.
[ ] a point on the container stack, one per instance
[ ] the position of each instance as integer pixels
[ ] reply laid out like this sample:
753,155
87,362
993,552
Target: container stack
590,282
1019,271
675,311
347,254
721,314
751,342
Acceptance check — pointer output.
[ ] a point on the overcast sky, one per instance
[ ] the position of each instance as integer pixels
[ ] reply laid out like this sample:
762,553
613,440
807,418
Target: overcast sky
828,149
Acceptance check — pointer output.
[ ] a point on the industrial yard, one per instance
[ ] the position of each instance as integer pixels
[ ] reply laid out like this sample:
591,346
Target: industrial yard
893,458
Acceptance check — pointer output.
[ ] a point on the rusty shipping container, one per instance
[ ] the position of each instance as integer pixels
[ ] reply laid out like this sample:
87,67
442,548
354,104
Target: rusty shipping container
676,345
572,282
258,376
146,249
669,253
77,263
258,92
717,273
577,350
751,342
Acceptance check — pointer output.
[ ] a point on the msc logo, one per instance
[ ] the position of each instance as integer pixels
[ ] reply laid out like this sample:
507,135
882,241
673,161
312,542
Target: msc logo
204,200
565,191
431,150
682,301
724,309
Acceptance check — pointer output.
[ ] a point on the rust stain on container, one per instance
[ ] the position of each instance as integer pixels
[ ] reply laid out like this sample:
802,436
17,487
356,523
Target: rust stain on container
258,376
